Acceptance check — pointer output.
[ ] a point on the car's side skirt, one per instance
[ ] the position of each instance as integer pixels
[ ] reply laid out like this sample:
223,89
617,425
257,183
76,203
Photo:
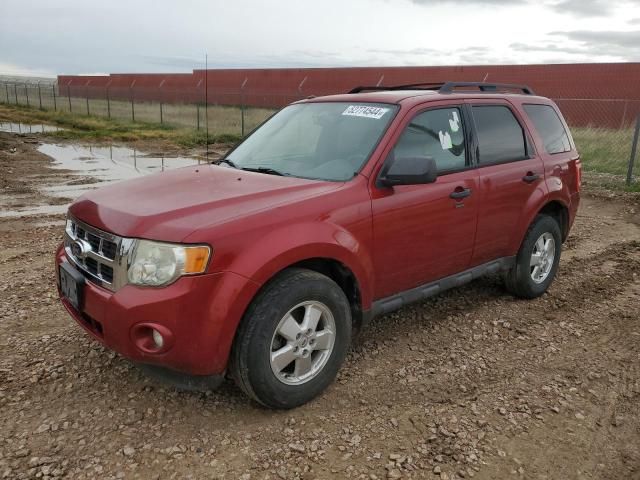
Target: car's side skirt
399,300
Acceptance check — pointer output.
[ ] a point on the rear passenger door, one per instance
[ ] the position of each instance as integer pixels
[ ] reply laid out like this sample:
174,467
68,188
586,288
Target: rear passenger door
510,174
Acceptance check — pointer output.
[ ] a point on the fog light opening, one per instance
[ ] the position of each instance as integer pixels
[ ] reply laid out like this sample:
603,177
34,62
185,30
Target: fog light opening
158,339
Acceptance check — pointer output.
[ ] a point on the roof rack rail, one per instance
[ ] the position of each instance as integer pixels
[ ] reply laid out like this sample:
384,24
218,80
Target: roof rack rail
446,87
408,86
450,87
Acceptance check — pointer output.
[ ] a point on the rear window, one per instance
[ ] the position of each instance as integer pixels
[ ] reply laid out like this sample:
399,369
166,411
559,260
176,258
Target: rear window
500,136
550,128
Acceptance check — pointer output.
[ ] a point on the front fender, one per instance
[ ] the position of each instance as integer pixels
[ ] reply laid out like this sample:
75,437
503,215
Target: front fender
285,246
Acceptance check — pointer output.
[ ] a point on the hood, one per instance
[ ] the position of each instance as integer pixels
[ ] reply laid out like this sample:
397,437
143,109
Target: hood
170,205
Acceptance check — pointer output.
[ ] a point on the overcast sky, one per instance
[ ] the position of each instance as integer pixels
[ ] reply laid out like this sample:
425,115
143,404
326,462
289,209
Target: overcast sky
46,37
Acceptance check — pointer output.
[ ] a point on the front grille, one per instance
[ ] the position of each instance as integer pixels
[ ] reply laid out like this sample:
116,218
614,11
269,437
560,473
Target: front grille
99,244
96,253
94,240
106,272
108,249
92,265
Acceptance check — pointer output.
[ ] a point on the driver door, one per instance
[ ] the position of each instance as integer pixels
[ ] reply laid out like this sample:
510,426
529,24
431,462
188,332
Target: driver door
421,232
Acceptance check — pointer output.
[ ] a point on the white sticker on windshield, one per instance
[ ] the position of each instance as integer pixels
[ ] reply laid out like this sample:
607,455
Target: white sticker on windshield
365,111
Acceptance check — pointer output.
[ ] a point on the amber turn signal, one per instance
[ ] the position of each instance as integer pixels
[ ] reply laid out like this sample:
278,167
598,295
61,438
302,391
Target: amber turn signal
196,259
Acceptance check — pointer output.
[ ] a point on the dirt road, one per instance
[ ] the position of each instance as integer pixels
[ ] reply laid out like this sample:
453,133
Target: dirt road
471,384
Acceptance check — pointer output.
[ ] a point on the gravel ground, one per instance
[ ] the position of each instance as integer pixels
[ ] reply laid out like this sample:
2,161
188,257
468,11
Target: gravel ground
470,384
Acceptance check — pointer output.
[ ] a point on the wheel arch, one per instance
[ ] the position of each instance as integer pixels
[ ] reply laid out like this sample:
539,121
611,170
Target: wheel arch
336,270
346,280
554,207
560,212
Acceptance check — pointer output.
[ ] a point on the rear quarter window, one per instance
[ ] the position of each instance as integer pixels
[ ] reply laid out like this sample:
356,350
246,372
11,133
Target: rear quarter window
550,128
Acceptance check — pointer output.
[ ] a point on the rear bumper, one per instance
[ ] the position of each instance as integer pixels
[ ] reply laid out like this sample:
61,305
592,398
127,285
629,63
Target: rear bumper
197,316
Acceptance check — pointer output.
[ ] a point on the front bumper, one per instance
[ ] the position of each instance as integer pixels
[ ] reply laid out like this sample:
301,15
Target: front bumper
197,315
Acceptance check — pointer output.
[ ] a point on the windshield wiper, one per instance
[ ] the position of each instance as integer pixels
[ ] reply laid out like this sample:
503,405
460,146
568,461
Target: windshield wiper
227,161
267,170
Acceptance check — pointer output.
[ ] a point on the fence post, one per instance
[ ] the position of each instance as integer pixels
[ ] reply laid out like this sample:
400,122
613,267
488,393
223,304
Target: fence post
55,104
86,94
133,110
15,92
634,149
39,95
624,114
242,113
242,106
206,103
26,94
108,103
69,97
6,87
197,116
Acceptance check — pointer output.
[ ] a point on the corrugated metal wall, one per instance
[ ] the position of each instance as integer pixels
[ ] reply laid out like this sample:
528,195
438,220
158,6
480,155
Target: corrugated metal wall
597,94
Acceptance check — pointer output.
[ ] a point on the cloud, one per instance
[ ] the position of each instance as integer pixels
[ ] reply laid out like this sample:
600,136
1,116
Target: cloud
604,38
548,47
585,8
184,63
607,43
12,70
67,38
409,51
580,8
472,2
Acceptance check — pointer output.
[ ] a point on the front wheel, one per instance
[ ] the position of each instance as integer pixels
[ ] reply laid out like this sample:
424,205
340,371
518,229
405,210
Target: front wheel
292,340
538,259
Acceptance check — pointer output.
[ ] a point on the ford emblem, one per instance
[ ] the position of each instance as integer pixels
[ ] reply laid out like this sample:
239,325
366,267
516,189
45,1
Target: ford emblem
80,248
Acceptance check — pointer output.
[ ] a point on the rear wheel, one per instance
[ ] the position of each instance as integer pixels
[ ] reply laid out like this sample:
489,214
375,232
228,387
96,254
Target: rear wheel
292,340
538,259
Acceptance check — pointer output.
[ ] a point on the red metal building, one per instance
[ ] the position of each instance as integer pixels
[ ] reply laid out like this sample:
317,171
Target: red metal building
589,94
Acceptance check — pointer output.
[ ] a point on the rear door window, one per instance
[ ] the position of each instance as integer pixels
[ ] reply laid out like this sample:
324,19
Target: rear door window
500,135
550,128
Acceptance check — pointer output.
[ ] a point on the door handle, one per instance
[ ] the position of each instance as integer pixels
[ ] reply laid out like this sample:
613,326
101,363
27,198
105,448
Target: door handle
460,193
530,177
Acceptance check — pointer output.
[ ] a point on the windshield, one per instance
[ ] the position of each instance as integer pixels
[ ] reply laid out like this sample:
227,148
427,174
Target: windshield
325,141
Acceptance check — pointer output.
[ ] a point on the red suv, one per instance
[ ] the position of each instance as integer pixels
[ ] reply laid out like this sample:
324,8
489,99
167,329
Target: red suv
333,211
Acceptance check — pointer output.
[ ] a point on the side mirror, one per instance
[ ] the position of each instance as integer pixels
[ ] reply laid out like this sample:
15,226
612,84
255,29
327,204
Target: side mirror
409,171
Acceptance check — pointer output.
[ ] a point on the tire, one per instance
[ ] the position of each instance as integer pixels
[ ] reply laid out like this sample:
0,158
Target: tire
267,328
519,279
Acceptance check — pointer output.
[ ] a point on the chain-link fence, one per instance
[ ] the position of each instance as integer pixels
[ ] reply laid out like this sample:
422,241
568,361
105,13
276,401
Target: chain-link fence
226,112
605,130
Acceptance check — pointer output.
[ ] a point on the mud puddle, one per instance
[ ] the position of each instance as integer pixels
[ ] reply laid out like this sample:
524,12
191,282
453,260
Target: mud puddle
82,168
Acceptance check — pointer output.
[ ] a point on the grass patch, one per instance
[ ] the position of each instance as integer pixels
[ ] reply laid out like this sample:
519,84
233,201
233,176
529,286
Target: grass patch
593,181
604,150
88,127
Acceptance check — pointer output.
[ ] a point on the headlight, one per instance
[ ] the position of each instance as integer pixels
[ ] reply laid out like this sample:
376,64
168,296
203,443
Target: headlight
155,264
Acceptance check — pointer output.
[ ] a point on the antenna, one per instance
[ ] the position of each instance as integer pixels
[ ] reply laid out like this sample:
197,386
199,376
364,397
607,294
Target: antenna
206,100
